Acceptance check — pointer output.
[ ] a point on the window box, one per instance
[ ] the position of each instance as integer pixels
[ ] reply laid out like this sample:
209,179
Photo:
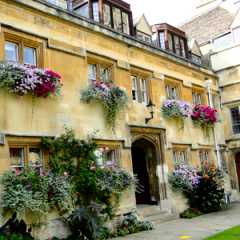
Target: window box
111,97
205,116
22,79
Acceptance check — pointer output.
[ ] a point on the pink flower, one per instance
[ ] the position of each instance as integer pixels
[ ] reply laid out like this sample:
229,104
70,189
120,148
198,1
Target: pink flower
65,174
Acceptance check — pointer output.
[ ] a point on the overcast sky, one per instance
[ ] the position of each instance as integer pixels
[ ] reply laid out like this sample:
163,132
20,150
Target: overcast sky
171,11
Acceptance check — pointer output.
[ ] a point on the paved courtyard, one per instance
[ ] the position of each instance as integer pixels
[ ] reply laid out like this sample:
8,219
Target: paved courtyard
195,229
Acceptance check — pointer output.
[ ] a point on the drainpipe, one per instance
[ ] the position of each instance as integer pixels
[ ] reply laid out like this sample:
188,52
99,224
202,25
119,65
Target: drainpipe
208,85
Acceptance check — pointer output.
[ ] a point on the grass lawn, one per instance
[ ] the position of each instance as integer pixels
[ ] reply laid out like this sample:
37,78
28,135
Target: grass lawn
230,234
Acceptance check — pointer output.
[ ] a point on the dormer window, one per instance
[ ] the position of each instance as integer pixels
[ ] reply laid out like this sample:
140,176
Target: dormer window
113,14
171,39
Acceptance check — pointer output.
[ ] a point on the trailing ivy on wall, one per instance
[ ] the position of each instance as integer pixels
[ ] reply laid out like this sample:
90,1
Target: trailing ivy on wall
23,79
111,97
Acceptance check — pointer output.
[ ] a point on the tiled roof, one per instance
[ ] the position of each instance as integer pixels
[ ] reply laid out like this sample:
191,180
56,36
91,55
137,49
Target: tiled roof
209,25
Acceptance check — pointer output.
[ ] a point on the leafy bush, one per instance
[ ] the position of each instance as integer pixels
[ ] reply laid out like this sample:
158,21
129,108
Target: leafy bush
96,189
203,189
131,224
190,213
31,192
88,223
209,194
111,97
27,79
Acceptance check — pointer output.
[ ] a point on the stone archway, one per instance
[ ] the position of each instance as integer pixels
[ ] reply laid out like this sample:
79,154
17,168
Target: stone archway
150,143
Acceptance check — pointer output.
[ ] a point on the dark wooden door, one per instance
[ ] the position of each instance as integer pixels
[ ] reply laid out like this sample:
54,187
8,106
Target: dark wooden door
238,167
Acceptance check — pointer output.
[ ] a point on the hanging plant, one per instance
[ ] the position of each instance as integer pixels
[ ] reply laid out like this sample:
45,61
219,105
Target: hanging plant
205,116
111,97
23,79
176,109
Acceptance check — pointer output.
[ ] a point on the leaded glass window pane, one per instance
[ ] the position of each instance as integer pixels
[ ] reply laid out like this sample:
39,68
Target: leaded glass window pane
125,23
117,21
235,114
107,15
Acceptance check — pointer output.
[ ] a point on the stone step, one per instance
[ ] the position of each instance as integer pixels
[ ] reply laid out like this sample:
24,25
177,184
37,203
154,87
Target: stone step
154,214
157,219
148,210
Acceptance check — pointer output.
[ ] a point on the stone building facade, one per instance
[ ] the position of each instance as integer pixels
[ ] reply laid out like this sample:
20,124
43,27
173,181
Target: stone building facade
71,44
217,32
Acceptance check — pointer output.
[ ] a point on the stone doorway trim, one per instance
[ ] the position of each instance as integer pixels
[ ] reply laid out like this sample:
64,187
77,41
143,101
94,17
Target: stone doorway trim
156,136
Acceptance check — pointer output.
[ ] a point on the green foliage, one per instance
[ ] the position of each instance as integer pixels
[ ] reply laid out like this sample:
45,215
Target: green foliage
95,190
15,237
111,97
203,188
131,224
88,222
207,197
230,234
67,153
29,192
190,213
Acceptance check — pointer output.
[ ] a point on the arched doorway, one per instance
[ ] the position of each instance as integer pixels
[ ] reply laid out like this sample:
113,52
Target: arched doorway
238,167
144,159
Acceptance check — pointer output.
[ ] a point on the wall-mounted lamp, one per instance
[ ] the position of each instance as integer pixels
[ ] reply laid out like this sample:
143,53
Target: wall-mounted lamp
150,107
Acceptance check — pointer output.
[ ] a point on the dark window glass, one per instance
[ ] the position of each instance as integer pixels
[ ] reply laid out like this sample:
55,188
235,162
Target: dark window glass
235,120
117,19
170,42
183,50
125,23
177,45
17,157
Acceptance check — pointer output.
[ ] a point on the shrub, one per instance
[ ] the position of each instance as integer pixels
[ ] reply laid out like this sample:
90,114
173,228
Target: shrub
203,189
190,213
27,79
111,97
88,223
131,224
96,189
31,192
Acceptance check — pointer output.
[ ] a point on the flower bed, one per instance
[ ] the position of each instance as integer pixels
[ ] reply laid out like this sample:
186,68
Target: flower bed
111,97
29,80
204,115
176,109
